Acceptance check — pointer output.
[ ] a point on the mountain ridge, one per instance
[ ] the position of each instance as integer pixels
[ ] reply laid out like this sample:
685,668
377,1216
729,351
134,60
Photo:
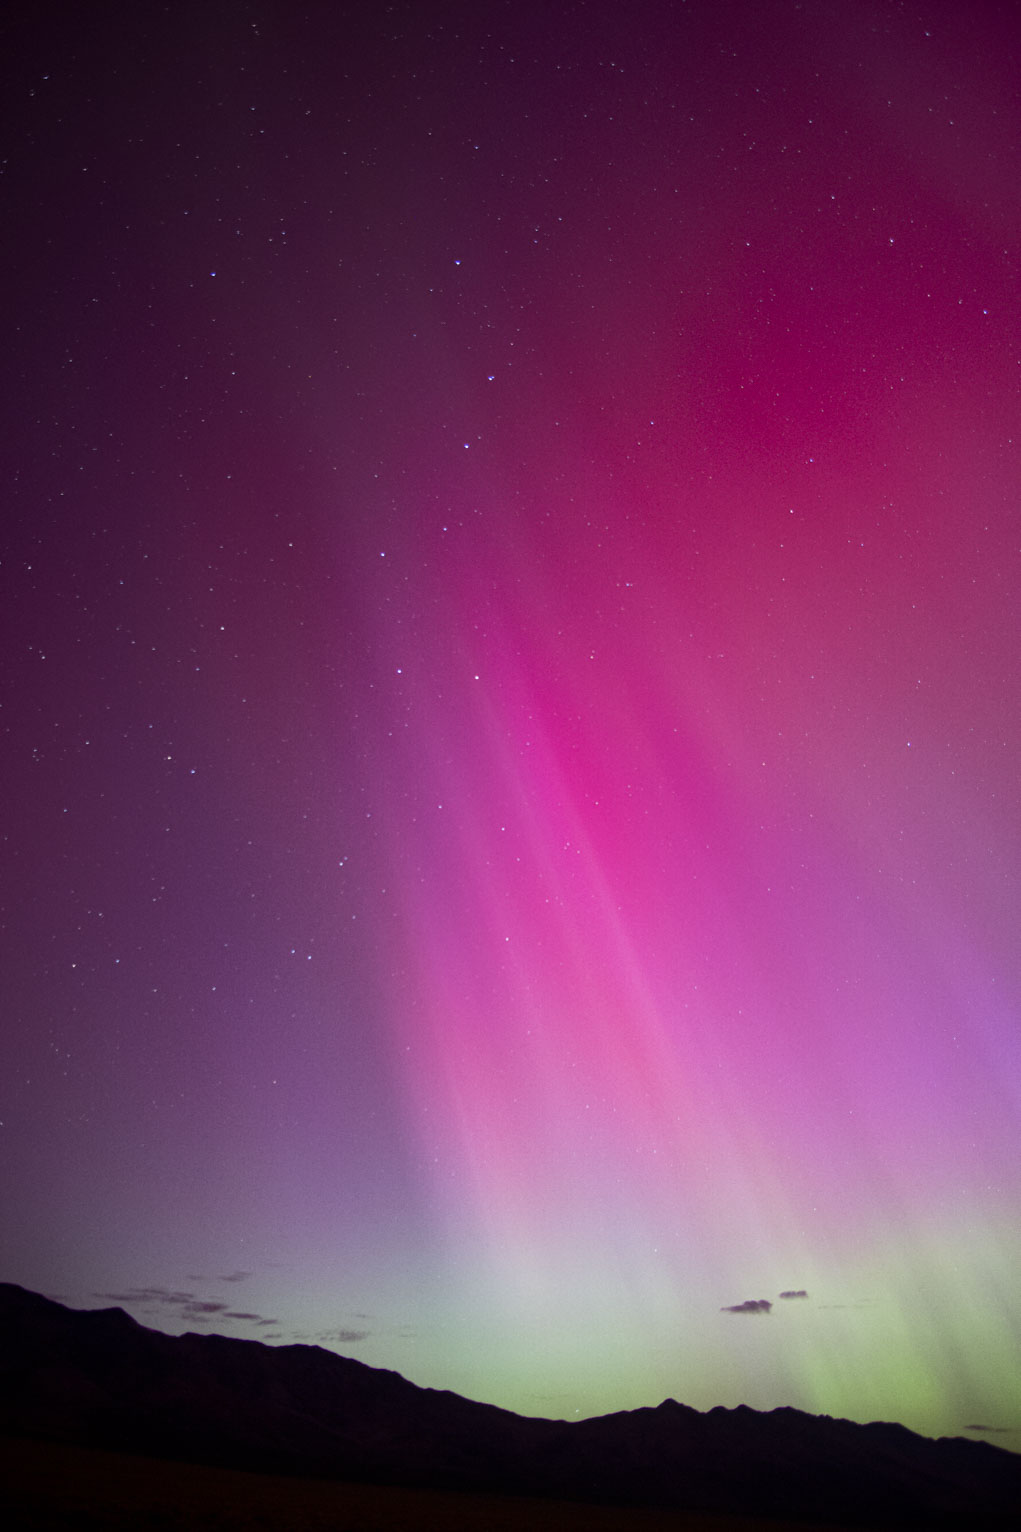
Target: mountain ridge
99,1378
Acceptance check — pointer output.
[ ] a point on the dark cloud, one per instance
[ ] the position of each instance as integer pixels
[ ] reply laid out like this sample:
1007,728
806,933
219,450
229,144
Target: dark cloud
185,1304
991,1430
236,1276
794,1292
166,1295
750,1306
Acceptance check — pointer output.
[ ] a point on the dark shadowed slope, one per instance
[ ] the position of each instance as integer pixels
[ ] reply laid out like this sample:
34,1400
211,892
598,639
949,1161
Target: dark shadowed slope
54,1487
100,1379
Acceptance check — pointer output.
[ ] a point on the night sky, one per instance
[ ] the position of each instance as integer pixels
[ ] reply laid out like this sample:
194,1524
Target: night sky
511,608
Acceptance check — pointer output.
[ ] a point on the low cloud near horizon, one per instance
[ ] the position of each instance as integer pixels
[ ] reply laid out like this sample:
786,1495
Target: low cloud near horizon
186,1305
762,1305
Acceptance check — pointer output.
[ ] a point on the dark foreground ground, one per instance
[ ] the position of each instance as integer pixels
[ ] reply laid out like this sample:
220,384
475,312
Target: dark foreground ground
49,1487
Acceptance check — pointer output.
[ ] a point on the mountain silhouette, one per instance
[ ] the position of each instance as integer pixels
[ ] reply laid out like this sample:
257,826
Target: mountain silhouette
99,1379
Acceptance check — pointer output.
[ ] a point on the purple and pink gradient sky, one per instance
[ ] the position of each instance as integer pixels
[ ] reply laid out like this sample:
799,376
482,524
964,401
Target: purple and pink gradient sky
512,606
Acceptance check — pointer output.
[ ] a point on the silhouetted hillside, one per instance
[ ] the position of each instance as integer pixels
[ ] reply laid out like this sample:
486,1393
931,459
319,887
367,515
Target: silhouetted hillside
99,1379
